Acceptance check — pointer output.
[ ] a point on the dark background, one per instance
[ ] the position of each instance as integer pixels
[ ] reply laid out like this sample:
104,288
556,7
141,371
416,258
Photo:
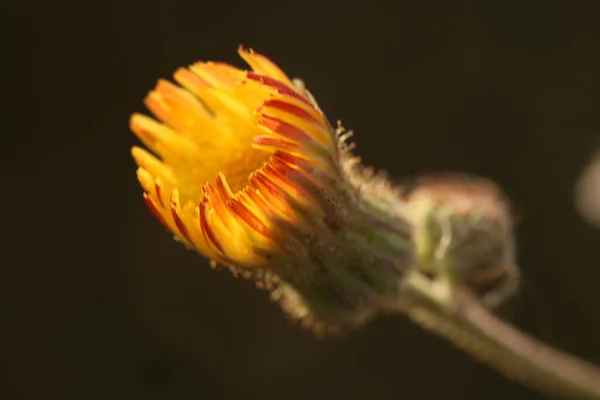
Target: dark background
98,302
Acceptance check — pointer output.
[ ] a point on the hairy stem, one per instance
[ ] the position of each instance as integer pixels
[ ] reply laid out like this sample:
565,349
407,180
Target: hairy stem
472,327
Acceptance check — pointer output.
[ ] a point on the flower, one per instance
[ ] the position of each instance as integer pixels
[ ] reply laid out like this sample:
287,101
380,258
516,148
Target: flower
252,175
234,144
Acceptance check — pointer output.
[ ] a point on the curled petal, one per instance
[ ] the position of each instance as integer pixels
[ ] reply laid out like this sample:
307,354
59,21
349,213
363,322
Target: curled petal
175,210
263,65
275,143
154,209
250,218
278,87
293,108
207,231
284,129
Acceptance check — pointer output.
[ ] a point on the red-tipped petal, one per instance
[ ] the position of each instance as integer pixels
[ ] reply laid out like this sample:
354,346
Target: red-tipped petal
154,209
157,187
222,187
265,180
277,85
285,129
178,222
290,108
276,143
248,217
207,232
291,160
274,195
283,177
220,206
259,202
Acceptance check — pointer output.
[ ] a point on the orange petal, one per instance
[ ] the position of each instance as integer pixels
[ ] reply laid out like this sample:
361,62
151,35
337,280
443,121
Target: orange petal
277,86
250,218
263,65
208,233
284,128
175,208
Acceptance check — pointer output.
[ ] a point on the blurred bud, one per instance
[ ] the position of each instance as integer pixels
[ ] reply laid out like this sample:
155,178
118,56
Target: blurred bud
587,193
463,232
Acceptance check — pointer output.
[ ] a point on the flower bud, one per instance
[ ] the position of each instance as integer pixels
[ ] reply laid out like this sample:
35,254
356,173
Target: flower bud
463,233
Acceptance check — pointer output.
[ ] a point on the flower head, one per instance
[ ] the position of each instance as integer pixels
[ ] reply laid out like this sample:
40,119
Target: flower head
234,145
250,174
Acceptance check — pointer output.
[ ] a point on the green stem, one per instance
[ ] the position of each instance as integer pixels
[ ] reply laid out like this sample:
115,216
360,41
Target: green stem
472,327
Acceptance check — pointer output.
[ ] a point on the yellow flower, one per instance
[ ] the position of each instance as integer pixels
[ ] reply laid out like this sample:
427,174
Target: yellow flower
236,148
249,173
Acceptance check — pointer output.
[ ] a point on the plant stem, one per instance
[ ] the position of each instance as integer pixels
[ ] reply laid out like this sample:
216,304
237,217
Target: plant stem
469,325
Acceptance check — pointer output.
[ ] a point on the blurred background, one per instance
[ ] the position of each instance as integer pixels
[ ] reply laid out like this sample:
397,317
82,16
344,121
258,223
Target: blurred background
96,299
